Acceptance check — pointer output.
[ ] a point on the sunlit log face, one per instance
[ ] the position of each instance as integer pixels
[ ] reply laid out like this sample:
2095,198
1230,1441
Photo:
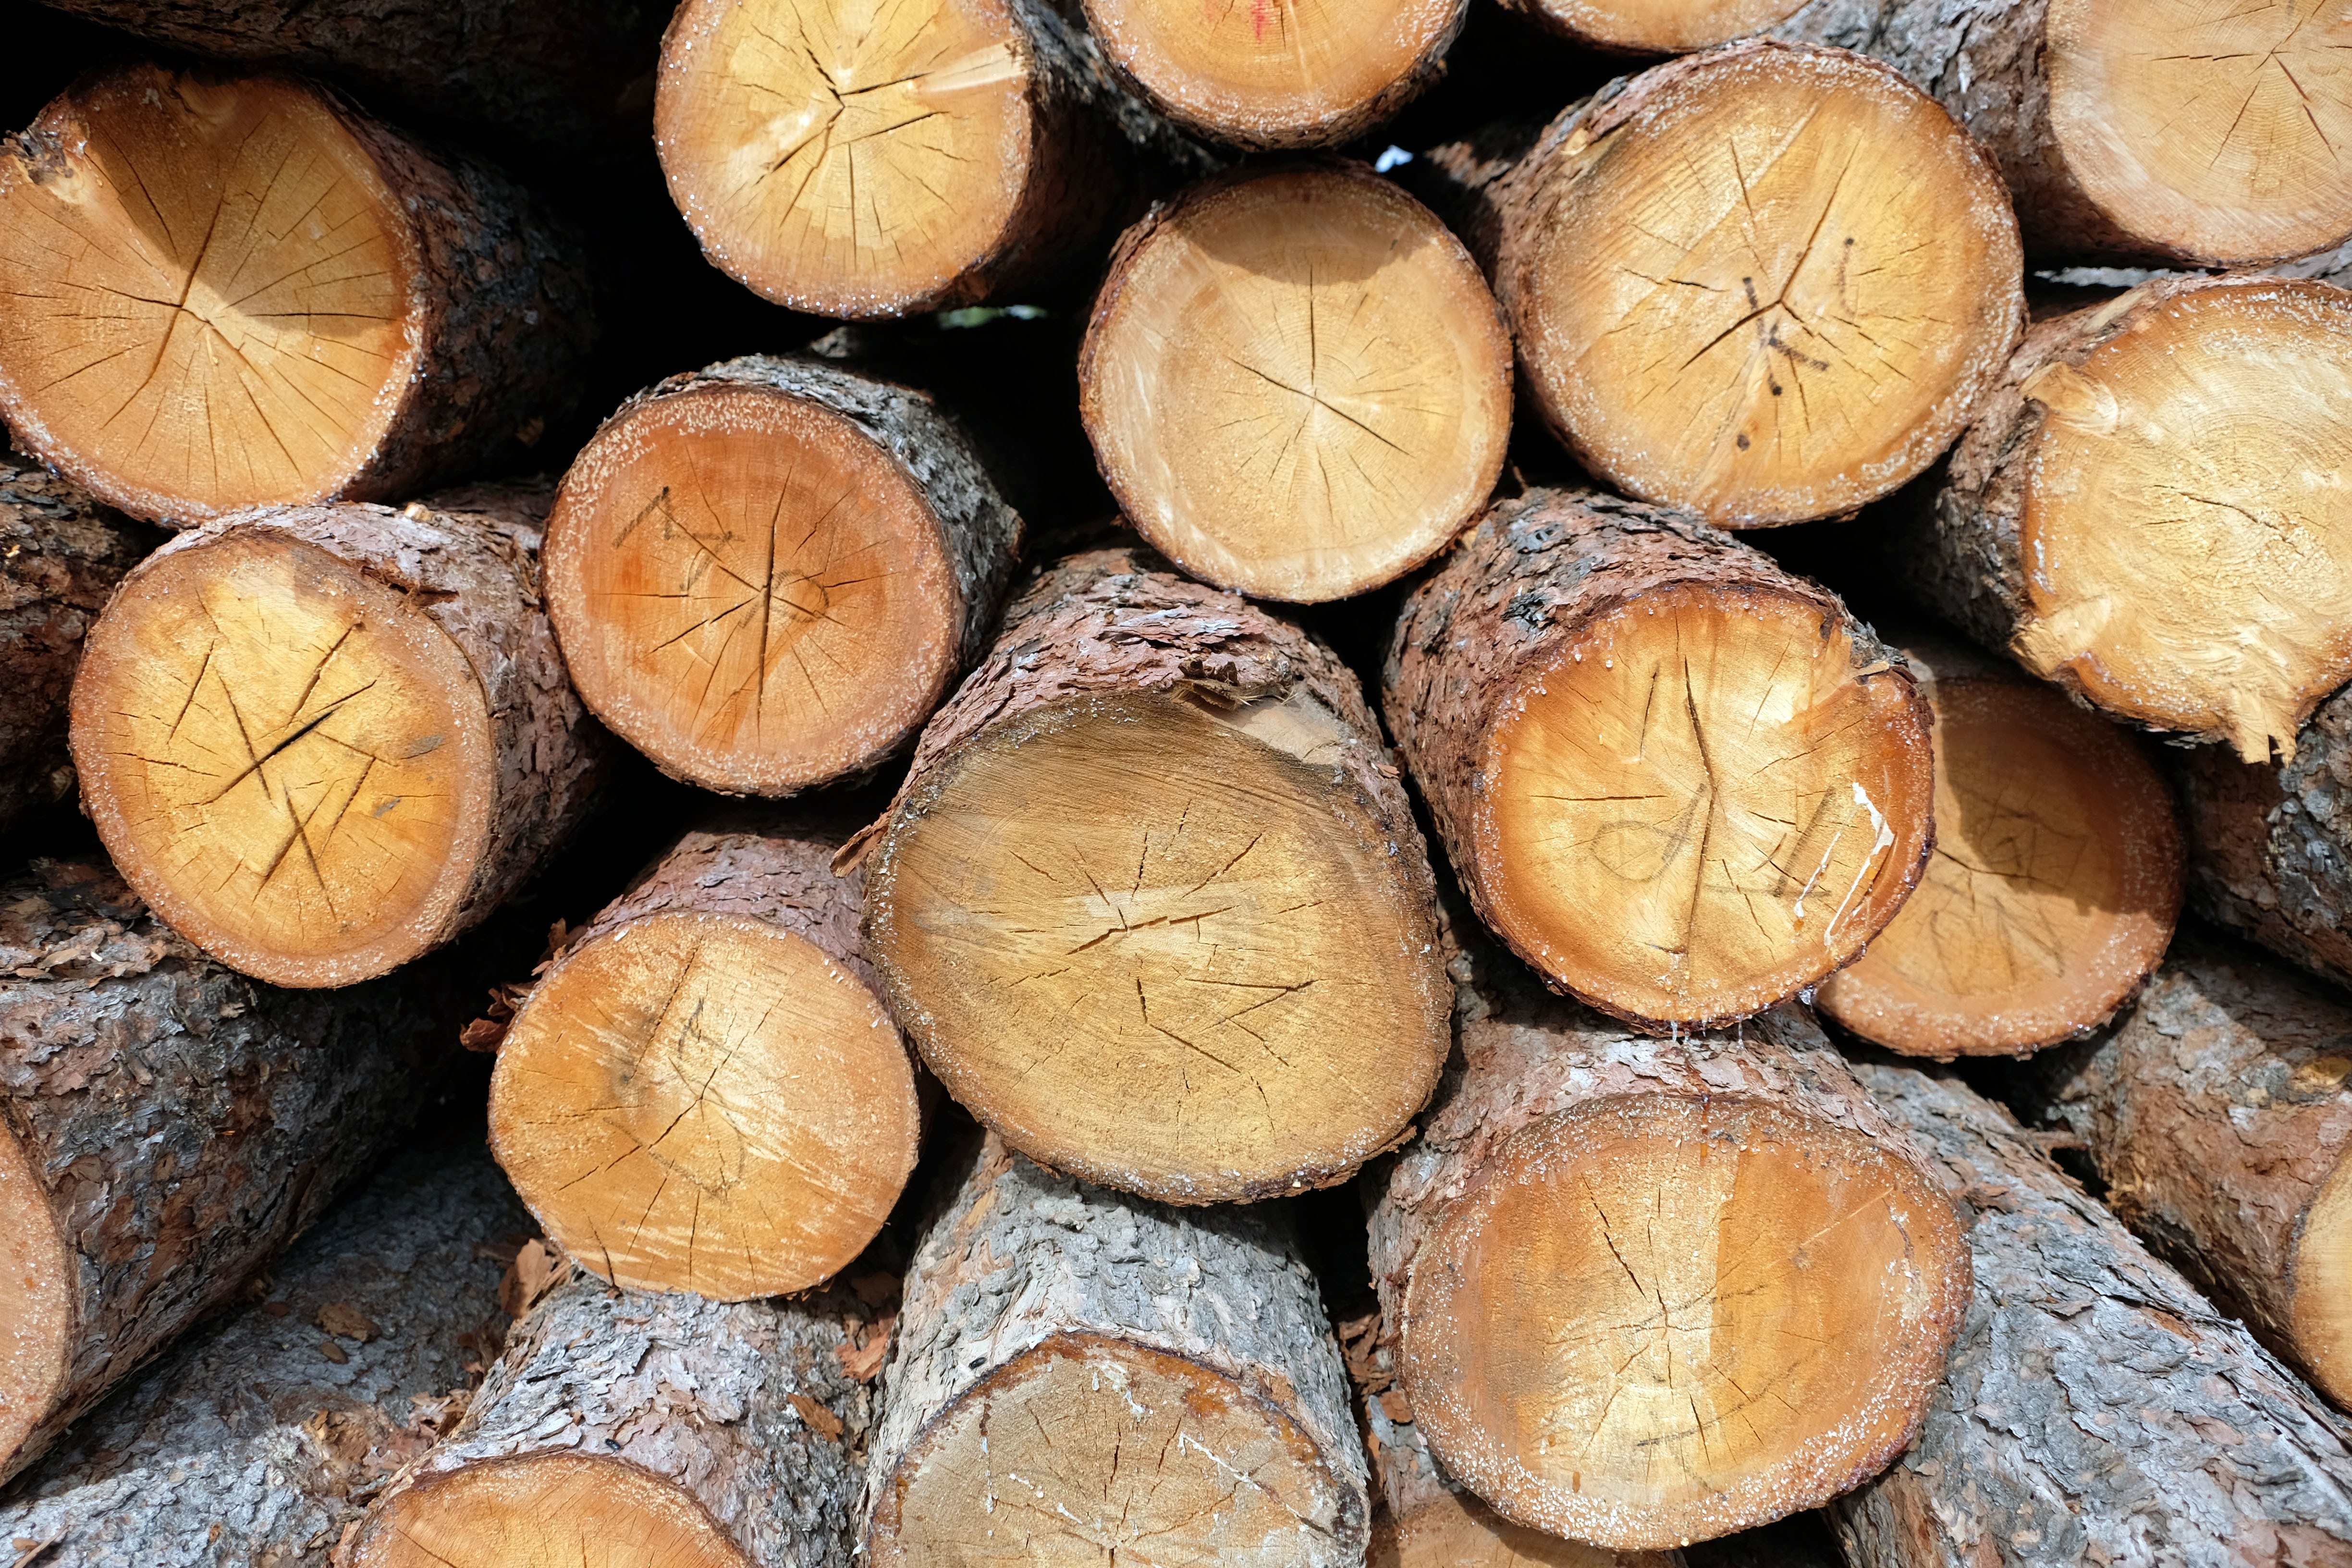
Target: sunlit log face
549,1511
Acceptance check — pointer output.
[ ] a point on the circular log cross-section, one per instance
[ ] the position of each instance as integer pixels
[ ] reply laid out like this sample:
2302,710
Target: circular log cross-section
2052,891
766,574
1156,910
1292,73
239,292
1655,27
1296,382
704,1094
1610,707
1766,283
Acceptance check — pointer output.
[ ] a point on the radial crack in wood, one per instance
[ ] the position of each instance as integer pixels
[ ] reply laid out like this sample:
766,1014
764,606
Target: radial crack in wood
1296,382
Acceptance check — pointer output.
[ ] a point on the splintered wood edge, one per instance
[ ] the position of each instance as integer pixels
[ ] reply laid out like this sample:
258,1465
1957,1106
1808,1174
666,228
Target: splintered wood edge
547,1508
40,1307
985,1470
577,1130
1975,893
2321,1269
1922,1272
413,782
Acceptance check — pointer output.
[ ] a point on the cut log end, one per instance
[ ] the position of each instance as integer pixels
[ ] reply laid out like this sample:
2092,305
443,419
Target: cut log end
1149,1444
750,589
547,1508
288,759
1775,292
2210,134
2215,421
842,161
212,292
2322,1274
1177,896
1657,1319
724,1084
1670,28
1297,384
1457,1530
2051,893
1706,764
38,1309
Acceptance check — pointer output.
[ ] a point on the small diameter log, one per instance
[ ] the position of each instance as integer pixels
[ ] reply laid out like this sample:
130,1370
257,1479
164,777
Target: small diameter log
1077,1375
1766,283
61,553
645,1431
2170,132
1644,1292
166,1126
995,147
2217,1111
279,1422
705,1093
320,741
2052,887
766,574
239,291
2145,512
1674,27
1151,901
2098,1408
1296,382
1290,75
1611,707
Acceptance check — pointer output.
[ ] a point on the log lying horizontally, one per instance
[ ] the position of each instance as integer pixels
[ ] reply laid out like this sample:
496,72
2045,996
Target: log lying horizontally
2177,132
2218,1113
260,1439
320,741
1766,283
2053,885
1296,381
1610,707
1076,1374
2096,1405
1151,901
61,554
2127,514
766,574
1655,27
690,1434
240,291
166,1126
704,1093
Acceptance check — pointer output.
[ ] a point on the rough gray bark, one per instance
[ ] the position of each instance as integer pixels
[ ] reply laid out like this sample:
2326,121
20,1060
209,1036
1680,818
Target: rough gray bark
259,1440
2097,1409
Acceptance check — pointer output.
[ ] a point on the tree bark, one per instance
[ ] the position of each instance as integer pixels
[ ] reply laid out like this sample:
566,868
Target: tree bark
168,1126
320,741
2098,1408
61,554
2115,412
1745,723
1158,824
456,317
278,1422
1071,1363
1769,283
1606,1246
766,510
2217,1113
704,1434
705,1093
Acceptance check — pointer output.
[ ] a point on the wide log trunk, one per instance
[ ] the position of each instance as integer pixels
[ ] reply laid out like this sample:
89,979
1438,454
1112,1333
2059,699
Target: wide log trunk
239,291
167,1126
2098,1408
1078,1374
1644,1292
320,741
257,1441
1151,901
1610,705
683,1431
766,574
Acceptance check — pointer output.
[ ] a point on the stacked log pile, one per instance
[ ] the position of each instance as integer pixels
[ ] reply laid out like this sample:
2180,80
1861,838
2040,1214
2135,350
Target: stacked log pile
1066,903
